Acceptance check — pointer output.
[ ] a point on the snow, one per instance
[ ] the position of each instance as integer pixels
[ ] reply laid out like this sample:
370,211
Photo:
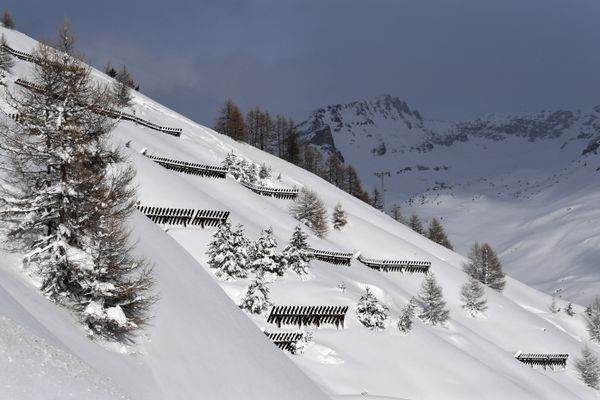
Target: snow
201,345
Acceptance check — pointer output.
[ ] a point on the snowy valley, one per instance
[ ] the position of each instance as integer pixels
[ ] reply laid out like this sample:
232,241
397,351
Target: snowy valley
200,344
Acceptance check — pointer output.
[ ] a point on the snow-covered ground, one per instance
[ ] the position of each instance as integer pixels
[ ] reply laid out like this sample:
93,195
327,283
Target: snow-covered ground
200,345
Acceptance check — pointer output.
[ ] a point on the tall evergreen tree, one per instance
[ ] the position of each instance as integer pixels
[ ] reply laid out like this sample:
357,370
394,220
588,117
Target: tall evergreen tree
297,255
228,252
264,255
588,368
309,209
122,87
407,314
371,312
473,296
397,215
6,59
434,310
109,69
415,224
67,192
7,20
485,266
593,321
231,122
256,299
377,199
339,217
437,234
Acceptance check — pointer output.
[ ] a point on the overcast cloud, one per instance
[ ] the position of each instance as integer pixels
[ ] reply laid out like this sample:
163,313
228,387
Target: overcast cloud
451,59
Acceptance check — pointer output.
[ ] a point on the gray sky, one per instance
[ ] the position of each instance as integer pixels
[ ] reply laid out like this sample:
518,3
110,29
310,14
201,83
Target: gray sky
450,59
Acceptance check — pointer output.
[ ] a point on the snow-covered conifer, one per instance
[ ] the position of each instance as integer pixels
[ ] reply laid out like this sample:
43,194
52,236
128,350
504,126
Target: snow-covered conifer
228,252
415,224
588,368
309,209
339,218
434,310
297,255
406,316
473,296
264,256
256,299
437,234
593,322
485,266
371,312
569,310
265,172
6,59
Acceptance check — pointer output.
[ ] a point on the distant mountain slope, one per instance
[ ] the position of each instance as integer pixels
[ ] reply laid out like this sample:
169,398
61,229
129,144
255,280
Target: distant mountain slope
522,163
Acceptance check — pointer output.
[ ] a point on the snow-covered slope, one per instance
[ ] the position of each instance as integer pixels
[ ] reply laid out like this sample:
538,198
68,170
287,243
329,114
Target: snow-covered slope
524,183
200,345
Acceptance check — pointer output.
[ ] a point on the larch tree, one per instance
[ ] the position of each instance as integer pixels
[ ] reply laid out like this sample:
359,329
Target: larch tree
231,121
256,299
437,234
434,311
339,217
588,368
6,59
407,315
7,20
593,321
377,199
415,224
370,312
122,87
228,253
67,192
472,294
297,254
264,256
309,209
397,215
485,266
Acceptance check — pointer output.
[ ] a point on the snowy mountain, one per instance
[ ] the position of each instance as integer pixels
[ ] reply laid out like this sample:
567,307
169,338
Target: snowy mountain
201,345
525,183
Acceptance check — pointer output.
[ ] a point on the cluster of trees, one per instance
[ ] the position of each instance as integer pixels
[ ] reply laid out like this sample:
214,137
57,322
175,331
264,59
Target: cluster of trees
246,171
66,193
309,209
232,256
123,84
435,231
279,137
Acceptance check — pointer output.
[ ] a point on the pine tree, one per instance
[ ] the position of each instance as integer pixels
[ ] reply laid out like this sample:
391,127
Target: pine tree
7,20
231,122
473,296
397,215
264,256
434,310
6,59
339,218
371,312
415,224
593,322
293,145
66,194
485,266
377,199
569,310
297,255
588,368
309,209
122,87
228,253
265,172
407,314
109,70
437,234
256,299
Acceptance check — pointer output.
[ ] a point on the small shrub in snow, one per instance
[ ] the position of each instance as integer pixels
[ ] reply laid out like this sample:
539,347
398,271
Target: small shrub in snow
434,310
569,310
342,287
406,316
264,255
309,209
256,299
228,252
588,368
301,344
339,218
371,312
297,255
593,322
485,266
472,295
